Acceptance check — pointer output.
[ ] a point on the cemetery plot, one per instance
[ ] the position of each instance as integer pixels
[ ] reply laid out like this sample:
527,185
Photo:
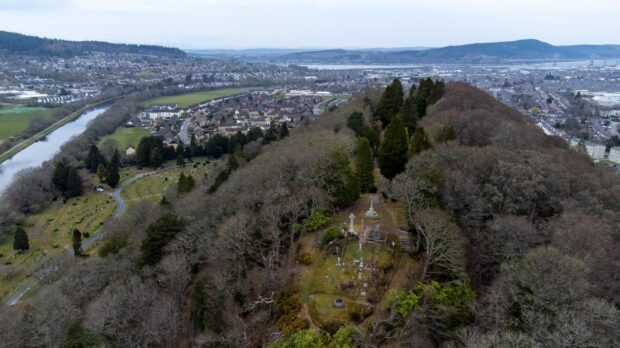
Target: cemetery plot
347,279
50,233
153,186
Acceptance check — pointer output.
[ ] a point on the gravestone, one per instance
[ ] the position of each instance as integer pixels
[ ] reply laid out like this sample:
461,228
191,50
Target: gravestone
377,232
371,213
351,226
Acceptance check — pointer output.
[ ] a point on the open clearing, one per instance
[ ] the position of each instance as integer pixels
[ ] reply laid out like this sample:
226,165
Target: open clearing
364,288
189,99
50,231
15,120
127,136
153,186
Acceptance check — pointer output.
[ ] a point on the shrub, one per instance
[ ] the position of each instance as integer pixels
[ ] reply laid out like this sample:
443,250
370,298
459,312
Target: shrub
158,234
113,244
78,337
304,258
332,233
315,221
287,309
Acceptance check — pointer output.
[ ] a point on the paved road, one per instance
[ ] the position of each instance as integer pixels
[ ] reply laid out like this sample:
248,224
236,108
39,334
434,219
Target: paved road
122,208
184,133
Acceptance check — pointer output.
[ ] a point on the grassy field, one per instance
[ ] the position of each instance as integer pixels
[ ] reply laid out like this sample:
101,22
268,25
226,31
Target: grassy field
126,137
50,234
152,187
15,120
185,100
50,231
42,134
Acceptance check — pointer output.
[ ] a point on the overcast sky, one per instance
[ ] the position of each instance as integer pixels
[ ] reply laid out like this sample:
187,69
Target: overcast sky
193,24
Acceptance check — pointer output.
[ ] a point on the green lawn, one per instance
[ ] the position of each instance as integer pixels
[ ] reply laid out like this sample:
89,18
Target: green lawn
185,100
15,120
152,187
126,137
50,234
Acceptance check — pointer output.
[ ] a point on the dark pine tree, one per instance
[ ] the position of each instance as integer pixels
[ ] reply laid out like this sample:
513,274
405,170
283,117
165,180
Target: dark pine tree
180,150
391,102
76,238
59,177
409,114
283,131
271,135
156,157
420,141
112,170
445,134
254,134
74,184
356,122
143,153
364,165
436,92
393,153
158,234
232,163
180,160
94,159
20,240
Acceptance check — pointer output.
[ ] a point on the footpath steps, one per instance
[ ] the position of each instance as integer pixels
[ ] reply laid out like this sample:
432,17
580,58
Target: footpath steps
404,243
320,237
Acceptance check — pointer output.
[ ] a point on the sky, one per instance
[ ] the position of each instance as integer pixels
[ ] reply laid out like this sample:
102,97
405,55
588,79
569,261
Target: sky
209,24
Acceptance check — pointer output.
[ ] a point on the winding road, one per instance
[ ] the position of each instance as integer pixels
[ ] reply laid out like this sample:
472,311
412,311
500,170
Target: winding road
87,243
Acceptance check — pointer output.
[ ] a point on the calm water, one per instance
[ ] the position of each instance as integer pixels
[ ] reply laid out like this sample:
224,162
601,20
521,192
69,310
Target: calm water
43,150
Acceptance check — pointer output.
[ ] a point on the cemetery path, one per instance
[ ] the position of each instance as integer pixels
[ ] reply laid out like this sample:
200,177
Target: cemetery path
122,208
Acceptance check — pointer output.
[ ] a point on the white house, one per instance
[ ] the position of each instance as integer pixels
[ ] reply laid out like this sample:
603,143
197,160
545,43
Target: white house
162,111
614,154
595,150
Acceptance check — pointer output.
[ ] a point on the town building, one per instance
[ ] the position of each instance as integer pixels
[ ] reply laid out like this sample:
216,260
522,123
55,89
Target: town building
614,154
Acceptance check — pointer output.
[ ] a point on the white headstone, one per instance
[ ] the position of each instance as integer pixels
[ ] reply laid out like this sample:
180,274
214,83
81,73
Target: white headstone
371,211
351,226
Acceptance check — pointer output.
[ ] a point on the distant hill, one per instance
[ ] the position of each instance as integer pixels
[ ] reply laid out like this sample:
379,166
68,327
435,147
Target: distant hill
14,43
493,52
275,53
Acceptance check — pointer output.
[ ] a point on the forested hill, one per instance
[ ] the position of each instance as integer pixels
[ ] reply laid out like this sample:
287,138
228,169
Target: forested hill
14,43
491,52
514,239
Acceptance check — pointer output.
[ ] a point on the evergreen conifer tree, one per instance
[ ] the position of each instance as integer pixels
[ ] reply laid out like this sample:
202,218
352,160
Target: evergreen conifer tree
364,165
94,158
391,102
74,184
76,238
420,141
445,134
284,130
20,240
156,157
59,177
409,114
113,175
102,172
393,153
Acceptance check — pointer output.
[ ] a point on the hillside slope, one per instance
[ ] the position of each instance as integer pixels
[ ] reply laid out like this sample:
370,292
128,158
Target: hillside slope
531,225
492,52
14,43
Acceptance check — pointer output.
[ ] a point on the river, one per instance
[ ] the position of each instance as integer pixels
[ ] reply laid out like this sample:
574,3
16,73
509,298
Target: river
44,149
